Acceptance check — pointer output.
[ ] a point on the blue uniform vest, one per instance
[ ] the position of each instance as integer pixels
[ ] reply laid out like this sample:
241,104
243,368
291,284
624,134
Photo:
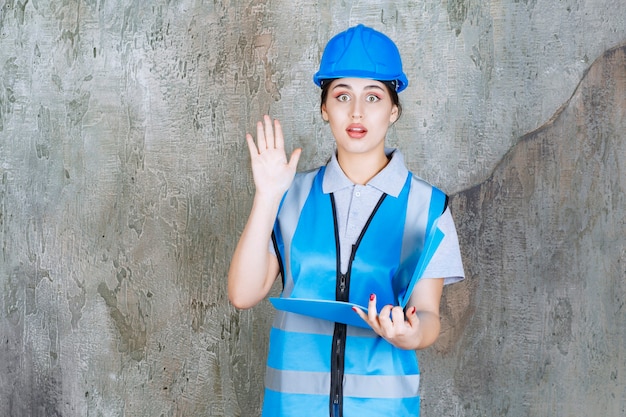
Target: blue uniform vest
322,368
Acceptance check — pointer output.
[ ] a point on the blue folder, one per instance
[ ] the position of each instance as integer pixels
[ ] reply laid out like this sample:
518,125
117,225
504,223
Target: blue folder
337,311
341,312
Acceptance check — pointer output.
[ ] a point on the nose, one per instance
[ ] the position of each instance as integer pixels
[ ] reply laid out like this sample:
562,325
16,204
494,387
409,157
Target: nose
357,110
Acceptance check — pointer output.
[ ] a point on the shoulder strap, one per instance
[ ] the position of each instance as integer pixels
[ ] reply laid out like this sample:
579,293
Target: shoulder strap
289,211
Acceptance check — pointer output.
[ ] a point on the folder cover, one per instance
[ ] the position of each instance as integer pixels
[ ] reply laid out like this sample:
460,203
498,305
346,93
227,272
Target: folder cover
337,311
341,312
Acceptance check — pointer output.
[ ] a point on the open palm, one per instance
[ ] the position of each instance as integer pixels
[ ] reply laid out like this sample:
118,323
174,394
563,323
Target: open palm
271,171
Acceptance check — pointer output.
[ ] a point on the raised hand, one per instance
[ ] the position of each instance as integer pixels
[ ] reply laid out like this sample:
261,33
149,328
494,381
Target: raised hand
271,171
253,269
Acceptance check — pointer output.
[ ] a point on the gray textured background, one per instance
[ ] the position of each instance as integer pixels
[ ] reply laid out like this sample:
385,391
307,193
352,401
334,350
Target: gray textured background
125,182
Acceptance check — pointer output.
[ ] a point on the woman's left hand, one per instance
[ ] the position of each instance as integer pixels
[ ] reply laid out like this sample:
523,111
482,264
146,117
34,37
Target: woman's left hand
392,324
419,327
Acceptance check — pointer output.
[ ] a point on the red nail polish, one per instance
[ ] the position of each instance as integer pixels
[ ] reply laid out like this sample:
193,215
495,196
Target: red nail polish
372,296
354,309
413,310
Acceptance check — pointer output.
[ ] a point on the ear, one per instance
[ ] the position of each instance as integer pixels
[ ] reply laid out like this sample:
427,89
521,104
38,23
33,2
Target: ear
394,114
324,113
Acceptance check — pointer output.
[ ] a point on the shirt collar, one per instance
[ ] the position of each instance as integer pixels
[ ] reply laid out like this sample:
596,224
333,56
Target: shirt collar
389,180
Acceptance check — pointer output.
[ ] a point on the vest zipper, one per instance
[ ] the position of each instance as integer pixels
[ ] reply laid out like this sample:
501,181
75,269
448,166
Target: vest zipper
339,350
342,293
337,370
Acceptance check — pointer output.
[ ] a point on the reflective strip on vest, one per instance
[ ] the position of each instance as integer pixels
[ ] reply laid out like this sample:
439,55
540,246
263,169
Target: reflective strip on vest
358,386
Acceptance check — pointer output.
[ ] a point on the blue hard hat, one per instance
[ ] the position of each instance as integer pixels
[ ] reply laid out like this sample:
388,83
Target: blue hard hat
361,52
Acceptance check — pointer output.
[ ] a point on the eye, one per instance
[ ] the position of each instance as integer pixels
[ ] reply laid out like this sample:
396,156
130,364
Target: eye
343,97
372,98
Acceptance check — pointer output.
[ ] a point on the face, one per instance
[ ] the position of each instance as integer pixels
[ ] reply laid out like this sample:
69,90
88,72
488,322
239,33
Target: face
359,112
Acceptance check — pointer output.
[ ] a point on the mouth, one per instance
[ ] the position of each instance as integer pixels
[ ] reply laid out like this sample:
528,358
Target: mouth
356,131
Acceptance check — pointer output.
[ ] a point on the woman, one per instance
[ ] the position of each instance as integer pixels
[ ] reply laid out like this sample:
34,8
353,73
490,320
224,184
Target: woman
347,234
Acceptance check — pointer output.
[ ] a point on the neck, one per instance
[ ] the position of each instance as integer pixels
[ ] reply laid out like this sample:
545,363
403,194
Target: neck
360,168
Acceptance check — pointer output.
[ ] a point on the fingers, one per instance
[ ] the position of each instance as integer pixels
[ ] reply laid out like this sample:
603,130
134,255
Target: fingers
260,137
251,146
360,313
277,134
269,134
381,322
372,312
397,315
392,323
387,320
294,158
271,172
412,318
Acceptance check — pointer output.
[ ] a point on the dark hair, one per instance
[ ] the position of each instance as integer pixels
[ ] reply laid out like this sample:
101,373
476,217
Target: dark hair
391,89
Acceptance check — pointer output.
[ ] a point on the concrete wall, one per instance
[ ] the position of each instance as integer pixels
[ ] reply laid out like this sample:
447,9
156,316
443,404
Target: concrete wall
540,331
124,183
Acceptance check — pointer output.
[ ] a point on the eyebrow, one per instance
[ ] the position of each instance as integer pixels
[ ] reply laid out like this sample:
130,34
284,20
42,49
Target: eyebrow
349,87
